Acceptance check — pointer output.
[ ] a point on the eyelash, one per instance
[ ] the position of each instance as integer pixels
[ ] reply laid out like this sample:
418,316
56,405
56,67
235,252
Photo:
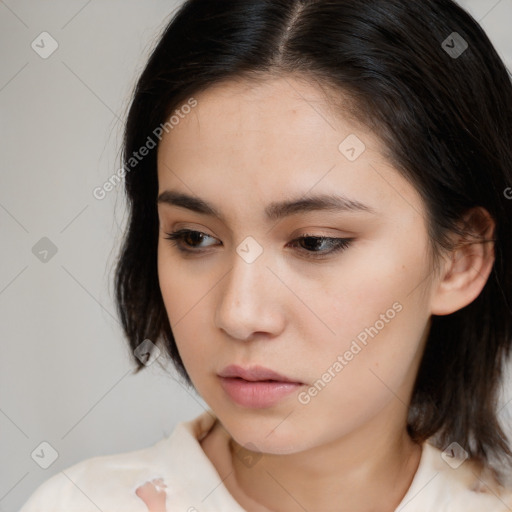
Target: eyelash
336,244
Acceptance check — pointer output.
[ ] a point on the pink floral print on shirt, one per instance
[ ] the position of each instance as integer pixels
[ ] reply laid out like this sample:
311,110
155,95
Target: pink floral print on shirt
153,495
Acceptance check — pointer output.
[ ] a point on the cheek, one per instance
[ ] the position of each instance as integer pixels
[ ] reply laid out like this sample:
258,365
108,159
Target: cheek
177,294
363,293
352,381
182,283
376,315
368,358
184,297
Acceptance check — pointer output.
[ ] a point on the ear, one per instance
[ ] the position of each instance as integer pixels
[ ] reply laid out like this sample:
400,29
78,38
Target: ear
465,270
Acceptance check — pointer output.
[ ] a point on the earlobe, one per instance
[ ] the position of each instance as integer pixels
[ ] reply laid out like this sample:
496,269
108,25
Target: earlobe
467,268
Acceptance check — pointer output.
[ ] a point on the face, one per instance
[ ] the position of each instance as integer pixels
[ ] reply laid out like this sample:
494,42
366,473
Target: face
332,296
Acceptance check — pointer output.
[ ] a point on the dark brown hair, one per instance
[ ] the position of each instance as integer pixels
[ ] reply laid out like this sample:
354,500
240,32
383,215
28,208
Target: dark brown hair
443,111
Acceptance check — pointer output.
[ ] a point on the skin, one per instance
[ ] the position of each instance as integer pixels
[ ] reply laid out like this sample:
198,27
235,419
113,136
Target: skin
244,146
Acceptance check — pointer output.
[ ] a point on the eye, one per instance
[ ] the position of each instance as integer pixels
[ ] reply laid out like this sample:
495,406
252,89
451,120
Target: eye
311,246
187,240
320,246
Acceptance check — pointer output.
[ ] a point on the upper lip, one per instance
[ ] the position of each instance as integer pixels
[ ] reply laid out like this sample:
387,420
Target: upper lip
254,374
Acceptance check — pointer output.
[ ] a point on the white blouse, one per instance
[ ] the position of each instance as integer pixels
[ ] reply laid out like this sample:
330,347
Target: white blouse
191,483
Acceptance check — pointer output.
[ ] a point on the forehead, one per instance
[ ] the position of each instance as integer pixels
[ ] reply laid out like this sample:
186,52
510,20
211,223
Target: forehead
280,136
250,112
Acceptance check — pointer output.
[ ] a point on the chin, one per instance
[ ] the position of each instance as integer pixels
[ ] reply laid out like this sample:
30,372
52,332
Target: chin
266,433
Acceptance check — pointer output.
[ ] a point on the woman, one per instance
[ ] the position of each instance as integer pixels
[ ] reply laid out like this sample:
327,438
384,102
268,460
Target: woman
319,237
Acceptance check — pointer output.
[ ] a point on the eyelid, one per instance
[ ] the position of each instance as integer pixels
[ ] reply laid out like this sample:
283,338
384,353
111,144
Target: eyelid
188,226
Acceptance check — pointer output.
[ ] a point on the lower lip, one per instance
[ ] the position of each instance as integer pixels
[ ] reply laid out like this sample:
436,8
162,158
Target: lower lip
259,394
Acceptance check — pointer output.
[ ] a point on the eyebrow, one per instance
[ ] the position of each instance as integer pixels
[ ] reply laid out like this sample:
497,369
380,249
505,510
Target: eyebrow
274,211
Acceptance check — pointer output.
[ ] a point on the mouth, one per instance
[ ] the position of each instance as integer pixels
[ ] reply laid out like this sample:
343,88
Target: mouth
256,387
254,374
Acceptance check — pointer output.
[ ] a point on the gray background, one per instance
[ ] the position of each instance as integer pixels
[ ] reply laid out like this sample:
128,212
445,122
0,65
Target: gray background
65,370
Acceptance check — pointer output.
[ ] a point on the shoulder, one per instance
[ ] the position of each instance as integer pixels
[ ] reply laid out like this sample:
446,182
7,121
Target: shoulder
110,482
447,481
105,482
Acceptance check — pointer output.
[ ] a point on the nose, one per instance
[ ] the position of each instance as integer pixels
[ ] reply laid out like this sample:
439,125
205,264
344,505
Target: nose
250,301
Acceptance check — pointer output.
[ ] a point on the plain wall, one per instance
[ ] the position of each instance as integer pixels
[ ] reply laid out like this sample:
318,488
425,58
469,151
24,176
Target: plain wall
66,373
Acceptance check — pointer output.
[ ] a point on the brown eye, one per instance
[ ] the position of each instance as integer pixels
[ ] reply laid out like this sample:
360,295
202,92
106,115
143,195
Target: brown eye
319,246
187,240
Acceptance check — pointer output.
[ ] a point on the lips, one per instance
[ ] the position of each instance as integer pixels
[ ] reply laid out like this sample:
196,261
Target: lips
256,387
254,374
